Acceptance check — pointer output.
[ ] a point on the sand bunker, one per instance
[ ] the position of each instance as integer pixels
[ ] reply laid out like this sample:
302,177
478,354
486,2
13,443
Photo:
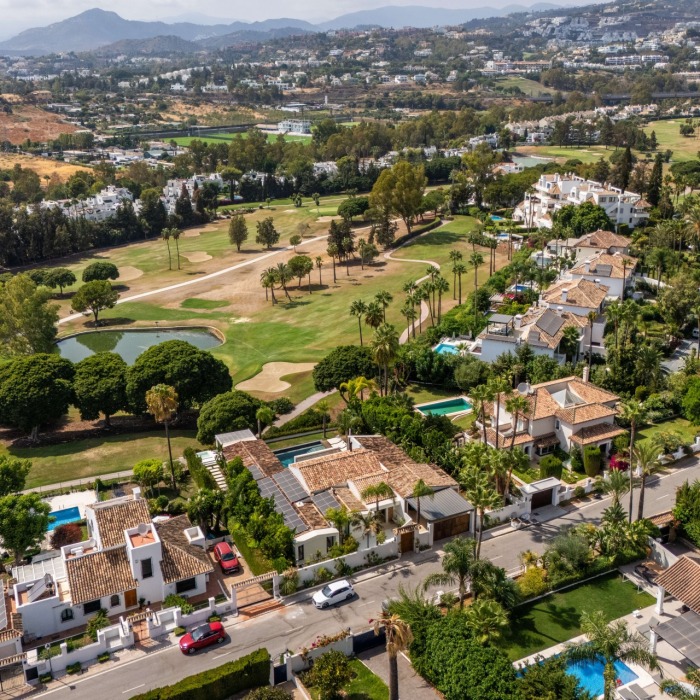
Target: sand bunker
196,256
269,381
191,234
243,319
326,219
129,273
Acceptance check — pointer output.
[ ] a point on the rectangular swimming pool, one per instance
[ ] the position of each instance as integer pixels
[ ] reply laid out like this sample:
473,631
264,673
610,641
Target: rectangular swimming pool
66,515
288,455
590,674
446,349
445,408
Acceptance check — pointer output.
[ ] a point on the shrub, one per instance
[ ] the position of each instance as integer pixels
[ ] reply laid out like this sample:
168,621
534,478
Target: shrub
179,631
104,657
214,618
533,582
45,678
579,492
576,459
281,406
97,622
71,669
550,466
199,473
177,601
63,535
591,460
330,672
268,693
322,575
225,681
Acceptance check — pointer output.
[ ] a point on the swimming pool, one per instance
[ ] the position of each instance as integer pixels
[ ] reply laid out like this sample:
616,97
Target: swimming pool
288,455
590,674
445,408
496,218
66,515
446,349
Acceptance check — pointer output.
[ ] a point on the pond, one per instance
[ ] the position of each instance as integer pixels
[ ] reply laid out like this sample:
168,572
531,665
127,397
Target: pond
131,343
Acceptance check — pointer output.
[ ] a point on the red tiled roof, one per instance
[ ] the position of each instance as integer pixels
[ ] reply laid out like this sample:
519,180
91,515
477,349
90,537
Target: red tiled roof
682,581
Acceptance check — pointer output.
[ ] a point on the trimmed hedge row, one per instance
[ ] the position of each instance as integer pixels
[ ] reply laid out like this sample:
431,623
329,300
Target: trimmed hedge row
251,671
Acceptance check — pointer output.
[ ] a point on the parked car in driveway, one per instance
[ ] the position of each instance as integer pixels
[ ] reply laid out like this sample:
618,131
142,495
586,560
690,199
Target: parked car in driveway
202,636
228,561
333,593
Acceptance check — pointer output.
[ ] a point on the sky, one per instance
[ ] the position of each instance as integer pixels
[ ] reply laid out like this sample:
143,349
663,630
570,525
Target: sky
17,16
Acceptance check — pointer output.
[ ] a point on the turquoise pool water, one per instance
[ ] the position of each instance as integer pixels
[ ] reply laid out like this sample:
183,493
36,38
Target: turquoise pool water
130,344
66,515
496,218
446,349
590,674
289,454
445,408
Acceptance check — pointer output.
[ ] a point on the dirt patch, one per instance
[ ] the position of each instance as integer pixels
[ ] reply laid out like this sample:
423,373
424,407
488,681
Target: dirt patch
41,166
326,219
129,273
191,234
196,256
242,320
269,379
27,122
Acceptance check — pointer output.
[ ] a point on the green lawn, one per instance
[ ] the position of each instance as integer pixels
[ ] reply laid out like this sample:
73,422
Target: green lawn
82,459
586,154
556,618
685,428
421,393
529,87
364,686
227,137
292,442
669,137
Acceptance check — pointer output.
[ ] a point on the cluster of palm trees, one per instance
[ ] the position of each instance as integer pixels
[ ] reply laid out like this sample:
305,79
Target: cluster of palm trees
373,312
279,276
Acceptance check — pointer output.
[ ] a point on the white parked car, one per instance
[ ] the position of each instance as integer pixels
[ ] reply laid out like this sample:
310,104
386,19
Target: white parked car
333,593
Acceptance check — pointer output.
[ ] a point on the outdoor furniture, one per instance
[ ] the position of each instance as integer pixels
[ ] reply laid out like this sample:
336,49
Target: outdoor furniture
639,692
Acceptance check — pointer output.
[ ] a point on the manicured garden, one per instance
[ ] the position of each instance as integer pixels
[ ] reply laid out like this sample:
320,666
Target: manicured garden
556,618
686,430
364,685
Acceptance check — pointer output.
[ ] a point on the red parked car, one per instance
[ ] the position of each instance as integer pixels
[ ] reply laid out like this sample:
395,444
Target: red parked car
202,636
228,561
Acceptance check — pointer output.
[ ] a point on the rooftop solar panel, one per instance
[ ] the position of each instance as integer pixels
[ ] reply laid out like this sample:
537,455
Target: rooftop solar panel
269,489
290,486
324,501
255,471
550,323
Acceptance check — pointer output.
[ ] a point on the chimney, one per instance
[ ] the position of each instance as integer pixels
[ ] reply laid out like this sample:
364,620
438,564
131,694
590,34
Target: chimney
564,293
136,493
588,265
585,376
518,321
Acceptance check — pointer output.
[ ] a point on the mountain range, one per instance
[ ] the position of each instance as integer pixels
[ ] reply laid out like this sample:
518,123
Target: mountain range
97,28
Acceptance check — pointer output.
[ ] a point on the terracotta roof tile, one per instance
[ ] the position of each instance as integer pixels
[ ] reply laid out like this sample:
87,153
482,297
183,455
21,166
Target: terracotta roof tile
542,337
312,515
591,393
613,262
181,560
255,452
347,498
596,433
337,469
113,517
682,581
602,239
521,438
99,575
585,412
662,519
580,292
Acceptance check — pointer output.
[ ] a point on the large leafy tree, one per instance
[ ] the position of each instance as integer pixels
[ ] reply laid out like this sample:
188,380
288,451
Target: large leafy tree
24,520
583,218
343,364
232,410
100,386
399,192
35,391
27,320
94,297
238,231
100,270
13,474
196,374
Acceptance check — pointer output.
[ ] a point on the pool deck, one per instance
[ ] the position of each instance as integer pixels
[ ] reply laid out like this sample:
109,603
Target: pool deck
457,414
77,499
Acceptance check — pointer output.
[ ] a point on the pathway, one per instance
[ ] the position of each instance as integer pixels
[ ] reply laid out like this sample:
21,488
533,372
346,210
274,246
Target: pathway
411,685
308,402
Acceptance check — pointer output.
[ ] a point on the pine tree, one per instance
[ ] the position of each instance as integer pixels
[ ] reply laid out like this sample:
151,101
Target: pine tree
653,141
656,181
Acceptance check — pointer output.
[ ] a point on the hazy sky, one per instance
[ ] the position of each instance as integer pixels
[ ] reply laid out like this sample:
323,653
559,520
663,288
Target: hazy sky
17,15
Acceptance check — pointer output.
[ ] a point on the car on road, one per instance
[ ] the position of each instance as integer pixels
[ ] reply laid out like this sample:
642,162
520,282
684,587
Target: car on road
202,636
228,561
333,593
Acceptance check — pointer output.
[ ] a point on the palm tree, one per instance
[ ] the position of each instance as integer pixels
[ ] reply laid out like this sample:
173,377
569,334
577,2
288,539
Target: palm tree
517,459
517,406
457,564
476,260
648,366
591,316
486,619
355,387
374,315
266,281
332,251
319,265
409,313
283,276
323,407
441,287
500,386
383,298
420,490
264,415
570,342
358,308
611,642
162,403
617,485
674,689
613,312
634,413
175,234
165,235
455,257
347,420
459,269
378,492
385,345
481,396
368,523
398,639
340,519
479,491
646,455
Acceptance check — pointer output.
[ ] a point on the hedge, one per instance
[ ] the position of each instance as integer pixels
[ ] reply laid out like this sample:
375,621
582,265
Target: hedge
251,671
550,466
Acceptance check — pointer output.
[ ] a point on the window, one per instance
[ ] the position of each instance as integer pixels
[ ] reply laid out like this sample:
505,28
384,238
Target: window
187,585
114,601
300,552
330,542
557,425
146,568
66,615
92,607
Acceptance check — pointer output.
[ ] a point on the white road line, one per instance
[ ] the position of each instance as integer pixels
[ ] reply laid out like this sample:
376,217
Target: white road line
136,687
226,653
371,602
500,556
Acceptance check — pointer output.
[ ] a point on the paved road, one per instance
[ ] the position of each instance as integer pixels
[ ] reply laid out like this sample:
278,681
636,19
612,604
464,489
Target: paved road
675,363
299,623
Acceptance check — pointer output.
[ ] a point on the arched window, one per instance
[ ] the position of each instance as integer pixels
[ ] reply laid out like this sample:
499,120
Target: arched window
66,615
114,601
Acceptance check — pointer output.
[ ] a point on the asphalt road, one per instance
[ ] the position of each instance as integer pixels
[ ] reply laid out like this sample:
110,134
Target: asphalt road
299,623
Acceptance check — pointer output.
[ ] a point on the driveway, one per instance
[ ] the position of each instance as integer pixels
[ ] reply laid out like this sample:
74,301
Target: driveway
675,363
411,685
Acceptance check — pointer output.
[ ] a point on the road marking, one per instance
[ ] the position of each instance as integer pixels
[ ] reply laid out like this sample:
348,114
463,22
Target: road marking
295,629
226,653
136,687
500,556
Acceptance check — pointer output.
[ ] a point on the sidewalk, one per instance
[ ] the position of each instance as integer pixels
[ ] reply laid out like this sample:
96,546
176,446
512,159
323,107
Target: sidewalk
411,685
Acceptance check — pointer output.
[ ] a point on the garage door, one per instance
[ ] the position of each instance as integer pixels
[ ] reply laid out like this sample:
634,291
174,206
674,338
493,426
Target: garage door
451,526
543,498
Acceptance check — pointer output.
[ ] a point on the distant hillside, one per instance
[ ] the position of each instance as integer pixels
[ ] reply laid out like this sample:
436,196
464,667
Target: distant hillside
156,46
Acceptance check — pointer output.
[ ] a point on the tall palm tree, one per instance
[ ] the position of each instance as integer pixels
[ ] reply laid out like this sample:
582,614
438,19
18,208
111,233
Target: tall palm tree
455,257
283,276
264,416
385,345
648,366
591,316
634,413
165,235
611,642
617,485
409,313
175,234
613,313
481,396
501,389
476,260
646,455
398,639
459,269
457,564
358,308
517,459
479,491
378,492
421,490
674,689
441,287
323,407
332,251
162,403
383,298
319,265
486,619
373,315
347,420
517,405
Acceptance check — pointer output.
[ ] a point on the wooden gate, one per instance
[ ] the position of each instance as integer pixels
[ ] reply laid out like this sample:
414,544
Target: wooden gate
406,535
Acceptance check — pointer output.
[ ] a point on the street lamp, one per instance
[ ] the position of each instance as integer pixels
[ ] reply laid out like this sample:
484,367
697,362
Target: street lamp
47,646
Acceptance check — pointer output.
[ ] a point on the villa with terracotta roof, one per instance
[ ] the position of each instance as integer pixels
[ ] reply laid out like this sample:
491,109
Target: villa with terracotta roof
614,271
562,413
126,558
580,296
